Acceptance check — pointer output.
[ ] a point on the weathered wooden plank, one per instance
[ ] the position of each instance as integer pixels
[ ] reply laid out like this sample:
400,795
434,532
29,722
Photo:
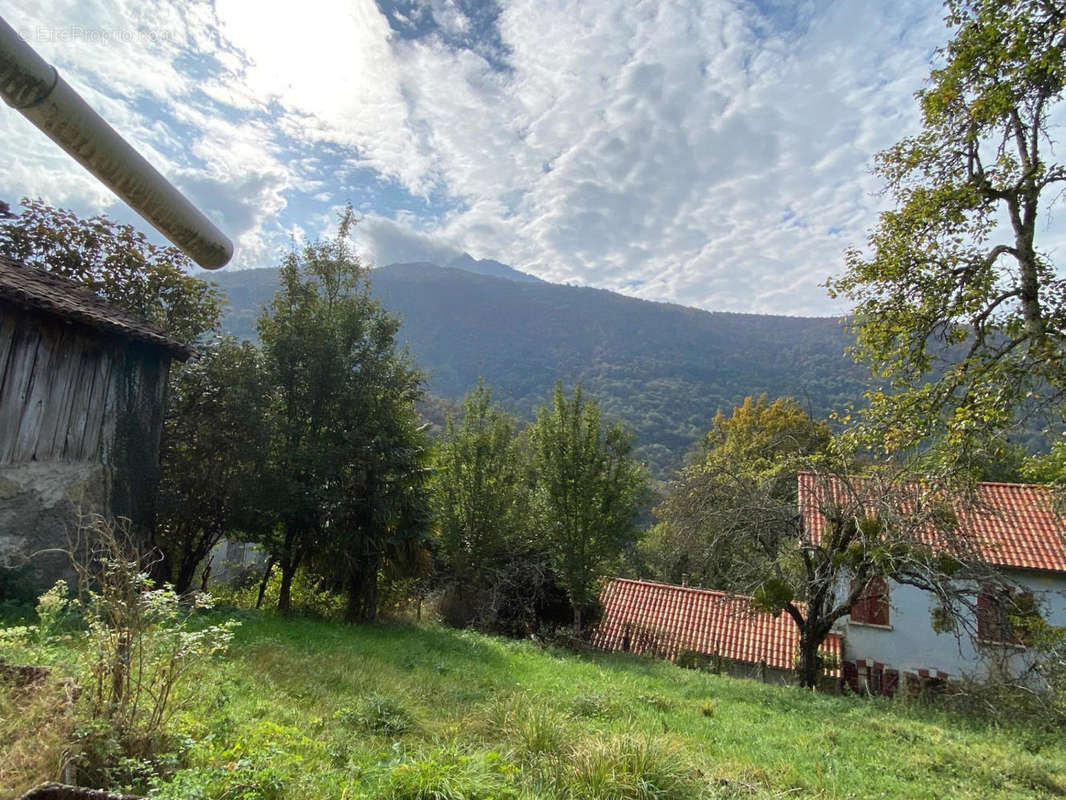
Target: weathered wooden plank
81,397
36,397
7,338
114,403
94,441
60,378
17,383
72,384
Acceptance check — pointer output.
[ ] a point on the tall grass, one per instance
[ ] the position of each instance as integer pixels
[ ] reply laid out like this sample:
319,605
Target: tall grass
303,708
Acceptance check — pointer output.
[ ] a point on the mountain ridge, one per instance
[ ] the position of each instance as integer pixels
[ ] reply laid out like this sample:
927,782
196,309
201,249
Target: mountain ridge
664,369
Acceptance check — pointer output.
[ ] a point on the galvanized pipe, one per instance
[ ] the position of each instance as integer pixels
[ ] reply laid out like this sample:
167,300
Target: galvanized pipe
33,87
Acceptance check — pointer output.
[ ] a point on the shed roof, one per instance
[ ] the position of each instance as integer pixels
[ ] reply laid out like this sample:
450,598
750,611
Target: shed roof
1009,524
644,615
37,290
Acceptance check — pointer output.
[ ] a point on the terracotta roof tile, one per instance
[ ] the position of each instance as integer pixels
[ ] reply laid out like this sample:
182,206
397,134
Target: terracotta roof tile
648,617
38,290
1010,524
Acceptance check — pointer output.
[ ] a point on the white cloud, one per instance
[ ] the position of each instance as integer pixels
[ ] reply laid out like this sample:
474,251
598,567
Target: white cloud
697,152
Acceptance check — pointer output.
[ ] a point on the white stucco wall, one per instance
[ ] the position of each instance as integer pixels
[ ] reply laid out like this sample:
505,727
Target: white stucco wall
909,643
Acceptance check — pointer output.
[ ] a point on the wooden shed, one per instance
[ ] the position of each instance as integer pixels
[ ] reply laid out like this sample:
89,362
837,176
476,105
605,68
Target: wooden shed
82,394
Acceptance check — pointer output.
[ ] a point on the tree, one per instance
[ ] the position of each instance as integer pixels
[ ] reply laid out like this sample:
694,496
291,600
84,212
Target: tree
495,573
480,489
588,487
346,451
213,451
956,305
737,521
759,444
117,262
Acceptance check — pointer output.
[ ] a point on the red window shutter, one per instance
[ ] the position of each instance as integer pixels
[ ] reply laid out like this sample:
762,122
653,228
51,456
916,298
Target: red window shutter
860,609
993,606
890,683
851,676
872,606
984,613
877,601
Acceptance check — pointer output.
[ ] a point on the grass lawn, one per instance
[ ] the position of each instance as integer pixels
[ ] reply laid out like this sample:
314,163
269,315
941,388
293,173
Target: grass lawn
305,709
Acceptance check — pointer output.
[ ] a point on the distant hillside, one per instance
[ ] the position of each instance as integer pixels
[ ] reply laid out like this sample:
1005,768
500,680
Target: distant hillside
663,369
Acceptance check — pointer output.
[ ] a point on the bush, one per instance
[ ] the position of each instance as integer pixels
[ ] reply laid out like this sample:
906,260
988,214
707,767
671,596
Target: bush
309,595
448,774
630,767
379,714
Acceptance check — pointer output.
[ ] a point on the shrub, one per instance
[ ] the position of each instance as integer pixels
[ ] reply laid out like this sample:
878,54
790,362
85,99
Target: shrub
309,595
630,767
35,728
378,713
449,774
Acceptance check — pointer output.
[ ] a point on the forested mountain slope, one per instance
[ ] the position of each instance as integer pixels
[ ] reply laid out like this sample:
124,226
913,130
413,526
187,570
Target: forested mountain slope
663,369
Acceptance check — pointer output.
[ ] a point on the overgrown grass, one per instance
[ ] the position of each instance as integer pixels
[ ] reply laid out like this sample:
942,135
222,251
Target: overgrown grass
36,724
301,708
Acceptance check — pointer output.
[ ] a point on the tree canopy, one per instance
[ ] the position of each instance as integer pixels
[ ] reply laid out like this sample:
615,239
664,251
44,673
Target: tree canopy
956,303
759,445
119,263
348,451
587,490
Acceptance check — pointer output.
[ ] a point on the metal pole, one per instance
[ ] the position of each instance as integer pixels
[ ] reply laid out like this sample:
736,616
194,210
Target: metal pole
33,87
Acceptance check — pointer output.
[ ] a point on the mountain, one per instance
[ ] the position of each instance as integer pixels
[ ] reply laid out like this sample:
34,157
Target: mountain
494,269
663,369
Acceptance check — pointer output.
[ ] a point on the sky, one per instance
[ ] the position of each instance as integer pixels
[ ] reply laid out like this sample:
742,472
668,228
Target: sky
714,153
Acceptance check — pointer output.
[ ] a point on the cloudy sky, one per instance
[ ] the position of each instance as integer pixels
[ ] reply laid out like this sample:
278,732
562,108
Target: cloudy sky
714,153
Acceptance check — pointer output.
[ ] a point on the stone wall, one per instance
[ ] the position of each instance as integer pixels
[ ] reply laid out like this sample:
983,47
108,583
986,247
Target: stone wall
39,507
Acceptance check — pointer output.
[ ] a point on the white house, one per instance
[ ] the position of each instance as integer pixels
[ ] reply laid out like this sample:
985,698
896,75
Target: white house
890,634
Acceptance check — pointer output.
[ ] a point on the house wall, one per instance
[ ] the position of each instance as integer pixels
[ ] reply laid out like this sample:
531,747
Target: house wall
910,644
80,421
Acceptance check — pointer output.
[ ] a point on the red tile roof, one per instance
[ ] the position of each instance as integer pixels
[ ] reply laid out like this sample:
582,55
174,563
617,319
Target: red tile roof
643,616
32,288
1009,524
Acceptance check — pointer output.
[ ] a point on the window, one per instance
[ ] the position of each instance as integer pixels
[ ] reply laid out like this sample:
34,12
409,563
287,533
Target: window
872,605
1000,609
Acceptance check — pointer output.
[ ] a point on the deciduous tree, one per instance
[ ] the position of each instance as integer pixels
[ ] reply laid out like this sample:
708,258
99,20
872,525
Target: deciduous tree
347,448
588,488
759,444
213,456
957,304
117,262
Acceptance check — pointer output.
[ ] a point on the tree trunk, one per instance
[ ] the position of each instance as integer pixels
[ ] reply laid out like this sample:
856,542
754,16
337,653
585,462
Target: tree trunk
288,569
808,661
362,603
577,619
289,561
263,583
186,570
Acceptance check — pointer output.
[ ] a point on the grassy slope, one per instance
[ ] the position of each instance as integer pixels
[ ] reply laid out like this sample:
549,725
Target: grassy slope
317,710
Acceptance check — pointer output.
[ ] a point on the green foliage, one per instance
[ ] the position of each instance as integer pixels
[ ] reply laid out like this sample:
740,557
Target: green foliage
962,315
378,713
500,717
588,487
449,774
309,595
140,646
118,263
1049,468
481,492
213,457
756,450
347,470
662,369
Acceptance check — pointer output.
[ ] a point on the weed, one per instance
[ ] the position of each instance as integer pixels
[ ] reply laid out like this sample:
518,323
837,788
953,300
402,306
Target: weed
630,767
378,713
448,774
